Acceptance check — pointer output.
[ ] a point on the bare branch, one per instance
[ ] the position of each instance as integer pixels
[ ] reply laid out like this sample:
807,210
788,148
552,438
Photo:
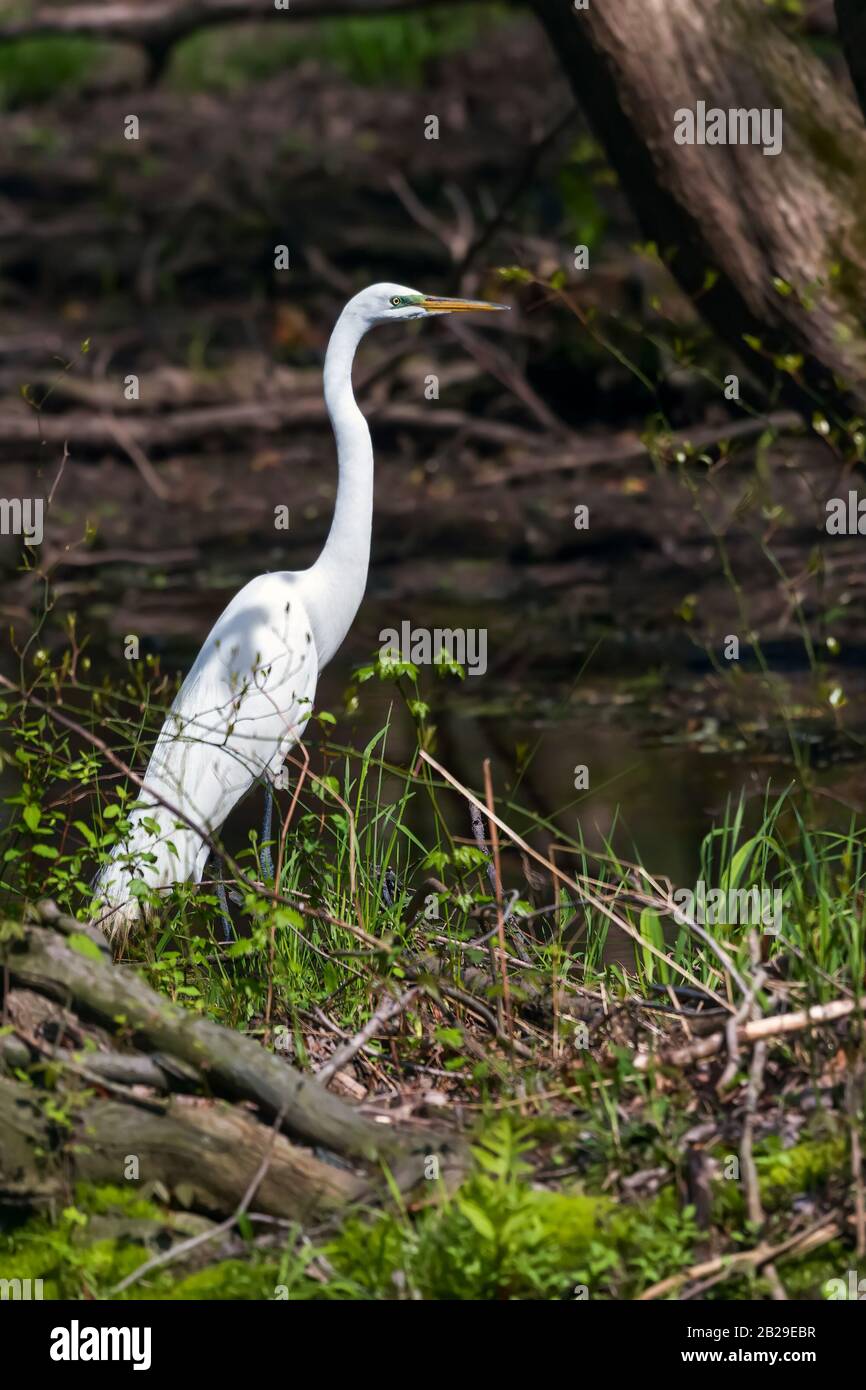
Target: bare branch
161,22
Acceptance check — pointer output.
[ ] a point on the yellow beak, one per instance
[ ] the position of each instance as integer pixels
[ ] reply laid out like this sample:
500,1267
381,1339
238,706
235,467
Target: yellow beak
436,305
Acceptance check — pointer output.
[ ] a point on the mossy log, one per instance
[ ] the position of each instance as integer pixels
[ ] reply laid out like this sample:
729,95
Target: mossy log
207,1145
206,1155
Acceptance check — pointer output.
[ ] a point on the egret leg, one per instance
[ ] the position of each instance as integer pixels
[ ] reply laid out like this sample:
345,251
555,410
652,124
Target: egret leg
228,928
265,854
389,887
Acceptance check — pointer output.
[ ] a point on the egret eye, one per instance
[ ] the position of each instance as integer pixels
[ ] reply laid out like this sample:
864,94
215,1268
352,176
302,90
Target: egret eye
396,301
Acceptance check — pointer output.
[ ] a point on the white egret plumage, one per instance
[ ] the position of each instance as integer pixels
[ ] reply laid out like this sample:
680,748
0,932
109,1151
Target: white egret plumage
249,694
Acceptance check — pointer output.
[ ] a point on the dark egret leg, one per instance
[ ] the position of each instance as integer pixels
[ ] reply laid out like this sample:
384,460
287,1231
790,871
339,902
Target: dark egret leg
265,847
389,887
228,927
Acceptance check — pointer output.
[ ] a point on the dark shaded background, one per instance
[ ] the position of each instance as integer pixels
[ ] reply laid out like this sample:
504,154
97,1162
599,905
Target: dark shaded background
156,257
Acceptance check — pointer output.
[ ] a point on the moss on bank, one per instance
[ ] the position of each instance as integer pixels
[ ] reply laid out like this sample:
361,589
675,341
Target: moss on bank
500,1236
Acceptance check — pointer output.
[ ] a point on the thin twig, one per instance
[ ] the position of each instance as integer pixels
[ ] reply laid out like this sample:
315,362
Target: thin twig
573,882
776,1026
497,885
391,1009
185,1246
725,1265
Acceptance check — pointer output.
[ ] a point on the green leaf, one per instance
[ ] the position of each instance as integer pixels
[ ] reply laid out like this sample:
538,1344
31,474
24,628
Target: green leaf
32,816
84,946
288,916
86,832
731,877
245,1226
651,930
514,273
390,667
45,851
477,1218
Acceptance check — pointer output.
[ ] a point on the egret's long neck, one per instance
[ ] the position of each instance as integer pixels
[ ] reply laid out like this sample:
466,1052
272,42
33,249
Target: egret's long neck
339,576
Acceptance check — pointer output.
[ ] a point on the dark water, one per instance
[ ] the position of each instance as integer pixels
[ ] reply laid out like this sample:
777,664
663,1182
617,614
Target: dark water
664,757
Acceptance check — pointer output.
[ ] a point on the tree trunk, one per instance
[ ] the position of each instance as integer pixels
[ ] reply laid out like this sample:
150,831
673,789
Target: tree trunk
786,234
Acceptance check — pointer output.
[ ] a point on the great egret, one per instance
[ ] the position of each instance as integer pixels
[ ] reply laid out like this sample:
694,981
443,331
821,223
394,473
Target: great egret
248,697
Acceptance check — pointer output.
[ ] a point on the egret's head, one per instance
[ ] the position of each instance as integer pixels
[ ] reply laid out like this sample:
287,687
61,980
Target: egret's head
388,303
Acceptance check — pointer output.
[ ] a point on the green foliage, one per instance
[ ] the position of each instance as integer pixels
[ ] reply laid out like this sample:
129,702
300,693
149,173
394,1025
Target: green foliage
577,184
75,1263
501,1235
395,49
36,69
819,875
804,1168
225,1281
498,1237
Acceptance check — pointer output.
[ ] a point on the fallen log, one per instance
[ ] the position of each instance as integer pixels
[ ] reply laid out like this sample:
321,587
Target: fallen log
195,1051
83,430
204,1155
167,21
